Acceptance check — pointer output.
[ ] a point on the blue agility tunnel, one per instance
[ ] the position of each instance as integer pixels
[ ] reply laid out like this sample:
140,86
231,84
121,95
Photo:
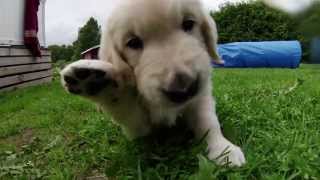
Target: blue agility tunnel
272,54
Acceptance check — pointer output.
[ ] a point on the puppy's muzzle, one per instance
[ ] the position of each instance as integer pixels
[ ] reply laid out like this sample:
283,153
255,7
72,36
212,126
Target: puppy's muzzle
181,88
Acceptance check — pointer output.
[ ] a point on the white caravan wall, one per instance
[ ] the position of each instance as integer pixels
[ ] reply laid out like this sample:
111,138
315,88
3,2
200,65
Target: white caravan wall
11,22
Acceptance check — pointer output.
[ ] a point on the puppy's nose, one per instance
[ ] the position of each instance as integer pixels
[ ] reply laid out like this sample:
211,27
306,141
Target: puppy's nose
181,88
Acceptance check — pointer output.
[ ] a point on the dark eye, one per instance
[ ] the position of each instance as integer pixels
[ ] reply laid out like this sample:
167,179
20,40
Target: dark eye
135,43
188,25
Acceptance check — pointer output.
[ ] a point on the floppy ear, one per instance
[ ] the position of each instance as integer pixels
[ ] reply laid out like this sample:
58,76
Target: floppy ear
109,52
210,35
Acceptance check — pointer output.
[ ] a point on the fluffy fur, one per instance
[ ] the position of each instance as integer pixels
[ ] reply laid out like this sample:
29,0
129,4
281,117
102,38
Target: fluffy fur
129,82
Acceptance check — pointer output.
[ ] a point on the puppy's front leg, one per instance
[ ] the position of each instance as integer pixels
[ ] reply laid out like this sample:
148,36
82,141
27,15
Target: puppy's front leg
204,120
95,80
88,78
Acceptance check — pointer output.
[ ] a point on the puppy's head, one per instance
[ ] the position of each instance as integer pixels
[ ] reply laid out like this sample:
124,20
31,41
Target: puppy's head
165,46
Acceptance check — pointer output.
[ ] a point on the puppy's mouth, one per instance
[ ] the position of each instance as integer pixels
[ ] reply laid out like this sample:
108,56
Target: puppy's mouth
182,93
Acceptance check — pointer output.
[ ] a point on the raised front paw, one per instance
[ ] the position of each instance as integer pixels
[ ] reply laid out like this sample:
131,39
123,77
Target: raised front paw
87,77
226,153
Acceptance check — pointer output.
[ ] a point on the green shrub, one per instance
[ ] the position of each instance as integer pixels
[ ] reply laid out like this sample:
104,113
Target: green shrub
63,52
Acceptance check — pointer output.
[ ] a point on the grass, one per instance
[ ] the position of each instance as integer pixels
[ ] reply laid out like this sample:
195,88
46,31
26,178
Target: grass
273,114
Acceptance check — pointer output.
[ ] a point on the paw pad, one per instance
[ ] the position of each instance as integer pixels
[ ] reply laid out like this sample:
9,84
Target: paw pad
82,73
70,80
86,81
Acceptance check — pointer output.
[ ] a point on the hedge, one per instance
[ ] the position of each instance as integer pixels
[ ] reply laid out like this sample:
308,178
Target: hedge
254,21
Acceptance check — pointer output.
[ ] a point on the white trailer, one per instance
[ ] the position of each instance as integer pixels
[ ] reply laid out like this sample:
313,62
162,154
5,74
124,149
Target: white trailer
18,68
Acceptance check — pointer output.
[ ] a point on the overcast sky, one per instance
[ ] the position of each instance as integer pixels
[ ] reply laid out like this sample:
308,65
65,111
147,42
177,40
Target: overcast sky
64,17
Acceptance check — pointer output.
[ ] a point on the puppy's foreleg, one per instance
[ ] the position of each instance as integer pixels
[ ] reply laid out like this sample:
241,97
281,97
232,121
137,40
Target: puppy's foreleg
95,80
88,78
203,120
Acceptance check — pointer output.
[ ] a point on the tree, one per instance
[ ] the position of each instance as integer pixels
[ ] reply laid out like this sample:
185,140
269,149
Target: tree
89,35
254,21
64,52
309,20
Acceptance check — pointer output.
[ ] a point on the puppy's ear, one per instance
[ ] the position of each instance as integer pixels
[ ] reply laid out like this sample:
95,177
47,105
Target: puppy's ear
109,52
210,35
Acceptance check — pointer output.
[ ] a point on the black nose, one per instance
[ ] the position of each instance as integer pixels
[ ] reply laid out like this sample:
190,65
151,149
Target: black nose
182,88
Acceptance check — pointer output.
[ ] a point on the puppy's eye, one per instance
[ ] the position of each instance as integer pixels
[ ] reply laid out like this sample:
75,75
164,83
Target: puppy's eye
188,25
135,43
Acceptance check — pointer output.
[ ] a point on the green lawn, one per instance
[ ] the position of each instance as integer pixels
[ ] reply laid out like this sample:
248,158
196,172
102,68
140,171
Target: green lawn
273,114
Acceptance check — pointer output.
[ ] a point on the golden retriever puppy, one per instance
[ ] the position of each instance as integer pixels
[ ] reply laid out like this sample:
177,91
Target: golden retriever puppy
155,67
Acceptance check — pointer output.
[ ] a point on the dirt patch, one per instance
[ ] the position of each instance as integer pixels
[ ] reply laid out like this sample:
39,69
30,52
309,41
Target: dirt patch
97,177
94,175
23,138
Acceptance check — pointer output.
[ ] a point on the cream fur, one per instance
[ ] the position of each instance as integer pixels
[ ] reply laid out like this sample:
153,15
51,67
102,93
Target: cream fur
139,105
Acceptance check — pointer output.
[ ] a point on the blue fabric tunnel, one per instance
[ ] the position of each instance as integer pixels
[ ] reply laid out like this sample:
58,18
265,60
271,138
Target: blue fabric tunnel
273,54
